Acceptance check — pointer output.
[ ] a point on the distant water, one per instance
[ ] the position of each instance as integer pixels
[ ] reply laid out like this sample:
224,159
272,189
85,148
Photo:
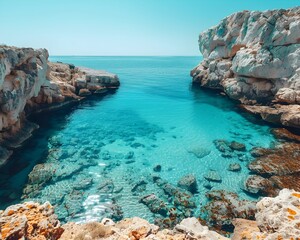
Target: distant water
155,118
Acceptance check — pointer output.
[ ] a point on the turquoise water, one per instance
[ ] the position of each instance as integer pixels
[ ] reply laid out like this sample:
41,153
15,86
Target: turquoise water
96,159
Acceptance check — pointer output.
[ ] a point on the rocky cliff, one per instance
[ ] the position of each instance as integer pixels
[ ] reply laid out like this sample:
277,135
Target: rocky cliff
254,57
276,218
28,82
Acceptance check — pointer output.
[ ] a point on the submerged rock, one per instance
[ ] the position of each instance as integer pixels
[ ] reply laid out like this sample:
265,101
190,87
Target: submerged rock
107,186
207,185
234,167
155,204
237,146
213,176
224,206
140,186
129,155
222,145
258,185
199,152
188,182
157,168
276,162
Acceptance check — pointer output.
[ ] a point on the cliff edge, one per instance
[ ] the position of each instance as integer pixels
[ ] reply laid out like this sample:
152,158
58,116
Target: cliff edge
29,83
254,57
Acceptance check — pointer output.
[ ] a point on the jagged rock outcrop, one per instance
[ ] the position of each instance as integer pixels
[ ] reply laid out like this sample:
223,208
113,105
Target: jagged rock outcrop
28,82
276,218
30,221
254,58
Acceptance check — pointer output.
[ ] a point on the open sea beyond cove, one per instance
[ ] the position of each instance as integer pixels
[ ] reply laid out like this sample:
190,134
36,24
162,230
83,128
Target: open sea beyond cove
102,156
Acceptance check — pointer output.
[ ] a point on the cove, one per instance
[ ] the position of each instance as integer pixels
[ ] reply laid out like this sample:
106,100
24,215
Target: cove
99,158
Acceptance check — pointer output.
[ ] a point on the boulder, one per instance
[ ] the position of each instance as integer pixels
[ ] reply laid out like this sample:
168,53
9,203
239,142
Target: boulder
223,207
213,176
234,167
188,182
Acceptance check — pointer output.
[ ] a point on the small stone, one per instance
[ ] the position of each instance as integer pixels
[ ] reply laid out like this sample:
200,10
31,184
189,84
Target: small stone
213,176
222,145
139,186
137,145
157,168
155,204
129,155
237,146
189,183
234,167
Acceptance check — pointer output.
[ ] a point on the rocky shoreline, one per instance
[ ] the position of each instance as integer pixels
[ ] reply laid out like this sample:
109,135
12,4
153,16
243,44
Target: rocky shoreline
251,56
276,218
254,58
30,83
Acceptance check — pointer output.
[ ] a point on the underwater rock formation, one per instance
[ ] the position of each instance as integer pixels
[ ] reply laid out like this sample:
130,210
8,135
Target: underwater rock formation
188,182
276,218
28,83
254,58
224,206
273,169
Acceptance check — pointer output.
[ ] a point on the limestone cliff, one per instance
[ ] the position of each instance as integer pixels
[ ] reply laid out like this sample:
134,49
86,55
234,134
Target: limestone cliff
276,218
254,57
28,82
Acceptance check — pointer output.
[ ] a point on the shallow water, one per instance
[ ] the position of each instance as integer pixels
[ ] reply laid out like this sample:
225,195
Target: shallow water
155,118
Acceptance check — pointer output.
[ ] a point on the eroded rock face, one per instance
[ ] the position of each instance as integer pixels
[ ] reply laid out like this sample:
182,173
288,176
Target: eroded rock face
28,82
29,221
254,58
276,218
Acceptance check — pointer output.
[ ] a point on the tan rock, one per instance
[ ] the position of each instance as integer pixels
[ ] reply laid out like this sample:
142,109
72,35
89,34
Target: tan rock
279,217
29,221
244,229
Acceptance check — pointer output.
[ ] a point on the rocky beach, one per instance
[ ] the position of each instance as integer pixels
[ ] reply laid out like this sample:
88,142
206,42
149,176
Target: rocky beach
80,159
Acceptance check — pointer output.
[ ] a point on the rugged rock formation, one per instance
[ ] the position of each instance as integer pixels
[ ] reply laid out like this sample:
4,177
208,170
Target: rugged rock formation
254,58
29,221
28,82
273,169
224,206
276,218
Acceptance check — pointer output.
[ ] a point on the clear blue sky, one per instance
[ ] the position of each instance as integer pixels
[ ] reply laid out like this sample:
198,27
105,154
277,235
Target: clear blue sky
117,27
